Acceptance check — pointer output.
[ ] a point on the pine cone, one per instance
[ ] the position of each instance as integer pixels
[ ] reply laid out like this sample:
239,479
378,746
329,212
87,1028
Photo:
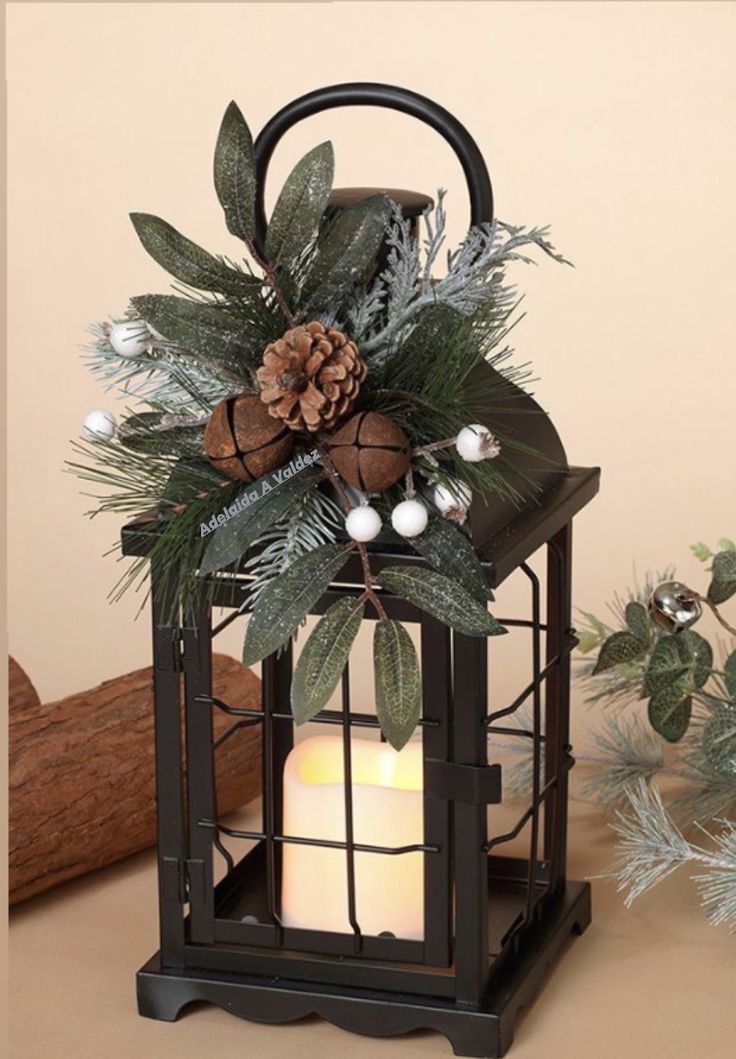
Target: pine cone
311,377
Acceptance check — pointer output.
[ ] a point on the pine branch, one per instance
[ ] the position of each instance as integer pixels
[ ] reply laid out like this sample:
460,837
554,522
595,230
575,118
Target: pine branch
172,381
651,844
135,481
474,272
718,886
652,848
628,752
313,521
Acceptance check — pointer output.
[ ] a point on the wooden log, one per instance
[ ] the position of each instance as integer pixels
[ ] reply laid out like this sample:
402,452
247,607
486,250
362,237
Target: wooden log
82,790
21,693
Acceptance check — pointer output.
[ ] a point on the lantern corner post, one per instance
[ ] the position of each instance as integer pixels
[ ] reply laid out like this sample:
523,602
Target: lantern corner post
200,794
557,758
172,845
470,831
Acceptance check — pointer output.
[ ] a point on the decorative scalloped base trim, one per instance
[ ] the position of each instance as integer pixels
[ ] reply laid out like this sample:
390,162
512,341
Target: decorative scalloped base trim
483,1032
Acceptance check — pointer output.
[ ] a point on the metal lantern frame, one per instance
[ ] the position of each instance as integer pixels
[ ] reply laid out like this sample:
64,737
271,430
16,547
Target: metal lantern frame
493,923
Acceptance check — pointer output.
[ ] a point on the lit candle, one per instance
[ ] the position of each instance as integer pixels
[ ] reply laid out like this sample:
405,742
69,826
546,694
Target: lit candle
387,811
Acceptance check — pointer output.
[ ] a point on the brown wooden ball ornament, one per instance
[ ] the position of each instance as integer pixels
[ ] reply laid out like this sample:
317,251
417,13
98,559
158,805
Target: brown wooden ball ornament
243,441
370,452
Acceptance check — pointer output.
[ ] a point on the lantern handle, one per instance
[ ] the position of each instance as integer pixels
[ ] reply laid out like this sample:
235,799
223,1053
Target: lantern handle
378,95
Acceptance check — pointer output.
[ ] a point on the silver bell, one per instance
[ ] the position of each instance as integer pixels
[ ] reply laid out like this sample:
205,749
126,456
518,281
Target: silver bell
674,606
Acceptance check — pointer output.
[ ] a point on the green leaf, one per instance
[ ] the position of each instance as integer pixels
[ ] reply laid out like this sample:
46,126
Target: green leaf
442,598
638,622
323,658
198,327
587,641
235,173
451,553
676,656
723,585
287,600
187,261
725,544
669,712
701,551
300,206
719,740
230,541
397,682
729,670
347,250
669,662
699,654
619,647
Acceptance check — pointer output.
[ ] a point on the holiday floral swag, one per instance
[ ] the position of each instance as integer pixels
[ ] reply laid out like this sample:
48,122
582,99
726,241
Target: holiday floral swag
662,795
311,346
668,771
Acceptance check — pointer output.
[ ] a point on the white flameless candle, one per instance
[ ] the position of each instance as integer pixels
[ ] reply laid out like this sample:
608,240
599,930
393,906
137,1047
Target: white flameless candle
387,811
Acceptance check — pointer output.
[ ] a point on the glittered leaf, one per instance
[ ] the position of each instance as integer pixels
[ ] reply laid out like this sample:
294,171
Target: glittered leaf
451,553
699,655
618,648
723,585
397,682
669,712
442,598
669,662
720,591
197,327
230,541
719,740
638,622
187,261
300,206
323,658
347,250
287,600
235,173
729,669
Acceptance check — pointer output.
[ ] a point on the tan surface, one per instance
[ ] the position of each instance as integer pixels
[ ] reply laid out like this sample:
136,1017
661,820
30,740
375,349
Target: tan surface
613,122
654,982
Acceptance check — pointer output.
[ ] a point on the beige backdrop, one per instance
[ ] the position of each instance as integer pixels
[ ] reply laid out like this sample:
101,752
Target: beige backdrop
612,122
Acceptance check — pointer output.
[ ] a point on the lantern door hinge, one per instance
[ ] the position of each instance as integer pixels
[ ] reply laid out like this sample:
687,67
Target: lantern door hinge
472,784
176,648
183,880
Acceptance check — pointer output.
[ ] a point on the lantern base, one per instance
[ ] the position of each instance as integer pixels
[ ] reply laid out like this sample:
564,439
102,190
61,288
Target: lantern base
484,1031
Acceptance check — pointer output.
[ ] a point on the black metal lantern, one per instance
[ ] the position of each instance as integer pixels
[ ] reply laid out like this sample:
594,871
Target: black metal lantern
489,924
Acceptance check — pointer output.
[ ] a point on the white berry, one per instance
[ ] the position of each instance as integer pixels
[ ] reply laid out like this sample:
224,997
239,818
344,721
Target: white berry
130,338
475,443
363,523
409,518
99,425
452,501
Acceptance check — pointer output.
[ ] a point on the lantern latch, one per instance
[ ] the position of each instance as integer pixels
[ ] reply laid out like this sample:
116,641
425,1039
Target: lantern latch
174,646
472,784
183,880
